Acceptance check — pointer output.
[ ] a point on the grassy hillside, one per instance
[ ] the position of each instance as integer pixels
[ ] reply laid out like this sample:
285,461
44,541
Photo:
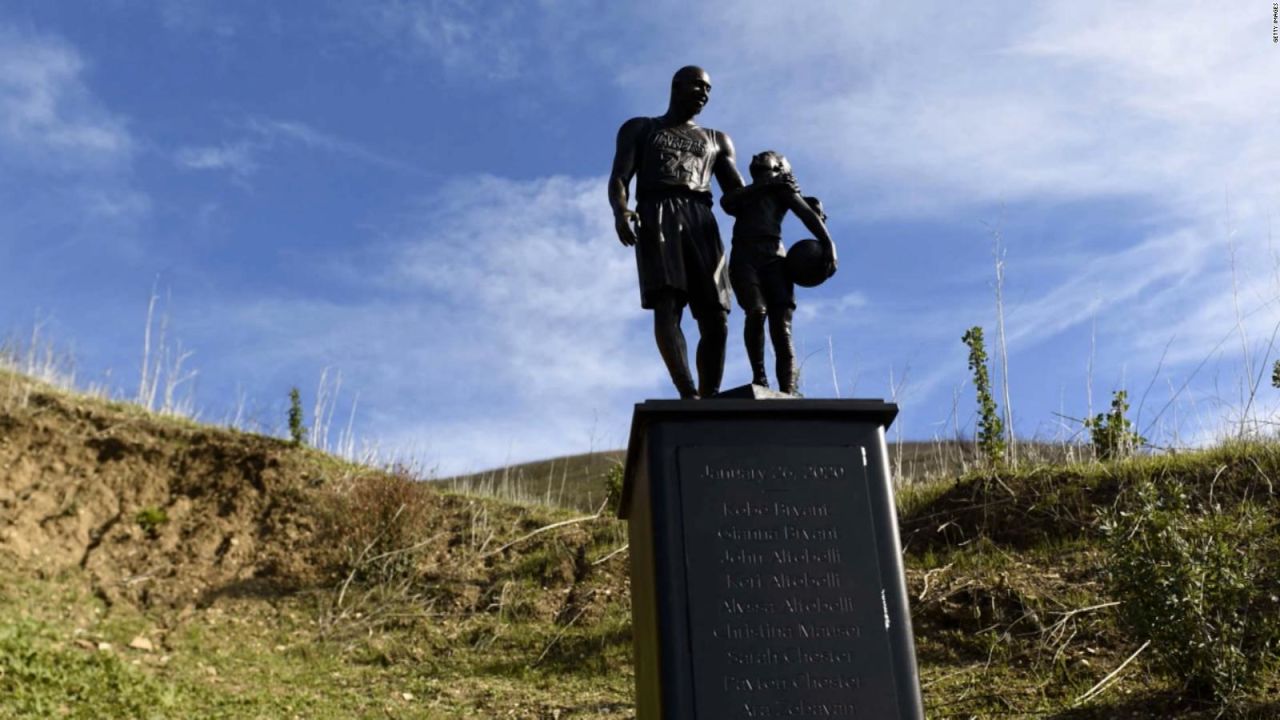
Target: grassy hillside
153,567
575,481
266,580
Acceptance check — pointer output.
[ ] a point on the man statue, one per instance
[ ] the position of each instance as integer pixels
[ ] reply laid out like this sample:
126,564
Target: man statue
678,250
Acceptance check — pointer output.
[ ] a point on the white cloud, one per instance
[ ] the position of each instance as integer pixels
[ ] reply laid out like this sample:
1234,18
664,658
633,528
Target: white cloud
530,265
848,303
270,132
66,161
1118,279
1012,101
475,39
494,320
49,120
197,16
919,111
503,316
526,47
236,158
503,301
242,157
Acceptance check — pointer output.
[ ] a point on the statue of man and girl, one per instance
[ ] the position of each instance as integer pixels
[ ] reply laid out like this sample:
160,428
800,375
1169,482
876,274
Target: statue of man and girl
679,254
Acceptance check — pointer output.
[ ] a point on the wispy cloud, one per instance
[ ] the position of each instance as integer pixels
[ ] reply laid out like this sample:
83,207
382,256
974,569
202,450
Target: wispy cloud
1048,100
66,160
272,132
504,316
559,48
197,17
843,305
478,40
244,156
1051,108
893,115
496,317
49,120
236,158
535,267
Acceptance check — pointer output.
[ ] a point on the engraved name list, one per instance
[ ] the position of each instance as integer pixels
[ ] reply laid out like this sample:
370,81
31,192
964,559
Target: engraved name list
781,558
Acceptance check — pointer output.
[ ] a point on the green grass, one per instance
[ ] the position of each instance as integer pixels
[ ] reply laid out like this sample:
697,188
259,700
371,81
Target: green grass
253,660
39,678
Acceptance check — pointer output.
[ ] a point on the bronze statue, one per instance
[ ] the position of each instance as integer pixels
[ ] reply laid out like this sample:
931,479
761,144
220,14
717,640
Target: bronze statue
679,254
757,265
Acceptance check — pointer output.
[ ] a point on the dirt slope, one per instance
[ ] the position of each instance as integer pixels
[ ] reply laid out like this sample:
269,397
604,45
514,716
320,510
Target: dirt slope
252,515
75,473
246,565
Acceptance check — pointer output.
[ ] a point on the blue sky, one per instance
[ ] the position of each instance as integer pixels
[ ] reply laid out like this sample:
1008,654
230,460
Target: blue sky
411,194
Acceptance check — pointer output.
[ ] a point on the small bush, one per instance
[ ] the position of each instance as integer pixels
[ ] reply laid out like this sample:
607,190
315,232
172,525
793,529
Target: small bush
297,431
1201,583
990,427
613,488
1111,433
150,519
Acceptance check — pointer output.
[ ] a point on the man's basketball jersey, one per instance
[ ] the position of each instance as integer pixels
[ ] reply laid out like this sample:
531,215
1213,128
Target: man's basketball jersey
677,159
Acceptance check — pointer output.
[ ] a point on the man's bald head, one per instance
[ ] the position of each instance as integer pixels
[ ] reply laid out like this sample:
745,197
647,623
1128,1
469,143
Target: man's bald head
690,91
690,72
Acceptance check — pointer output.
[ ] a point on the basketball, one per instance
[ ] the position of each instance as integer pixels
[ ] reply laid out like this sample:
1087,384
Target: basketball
807,264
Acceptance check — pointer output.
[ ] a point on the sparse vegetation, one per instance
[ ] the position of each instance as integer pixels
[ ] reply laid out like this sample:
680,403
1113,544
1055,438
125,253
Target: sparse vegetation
296,569
150,519
297,430
461,606
570,482
374,525
991,443
613,488
1111,433
1199,578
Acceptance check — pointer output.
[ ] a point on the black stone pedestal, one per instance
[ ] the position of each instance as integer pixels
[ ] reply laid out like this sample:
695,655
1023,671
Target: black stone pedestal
766,571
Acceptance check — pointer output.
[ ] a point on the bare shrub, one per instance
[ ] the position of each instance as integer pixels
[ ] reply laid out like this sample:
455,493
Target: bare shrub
374,527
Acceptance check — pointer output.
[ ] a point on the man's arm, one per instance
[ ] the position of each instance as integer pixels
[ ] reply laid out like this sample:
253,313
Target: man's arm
813,221
734,194
735,200
624,168
726,171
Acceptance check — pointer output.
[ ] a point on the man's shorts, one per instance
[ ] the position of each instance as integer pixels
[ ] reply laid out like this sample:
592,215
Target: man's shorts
679,251
760,282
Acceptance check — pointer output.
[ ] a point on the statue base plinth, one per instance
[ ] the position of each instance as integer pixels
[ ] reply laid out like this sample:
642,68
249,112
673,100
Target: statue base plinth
766,570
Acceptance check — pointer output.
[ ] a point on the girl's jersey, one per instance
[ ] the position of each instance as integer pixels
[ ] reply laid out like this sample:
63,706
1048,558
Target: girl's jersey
757,226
